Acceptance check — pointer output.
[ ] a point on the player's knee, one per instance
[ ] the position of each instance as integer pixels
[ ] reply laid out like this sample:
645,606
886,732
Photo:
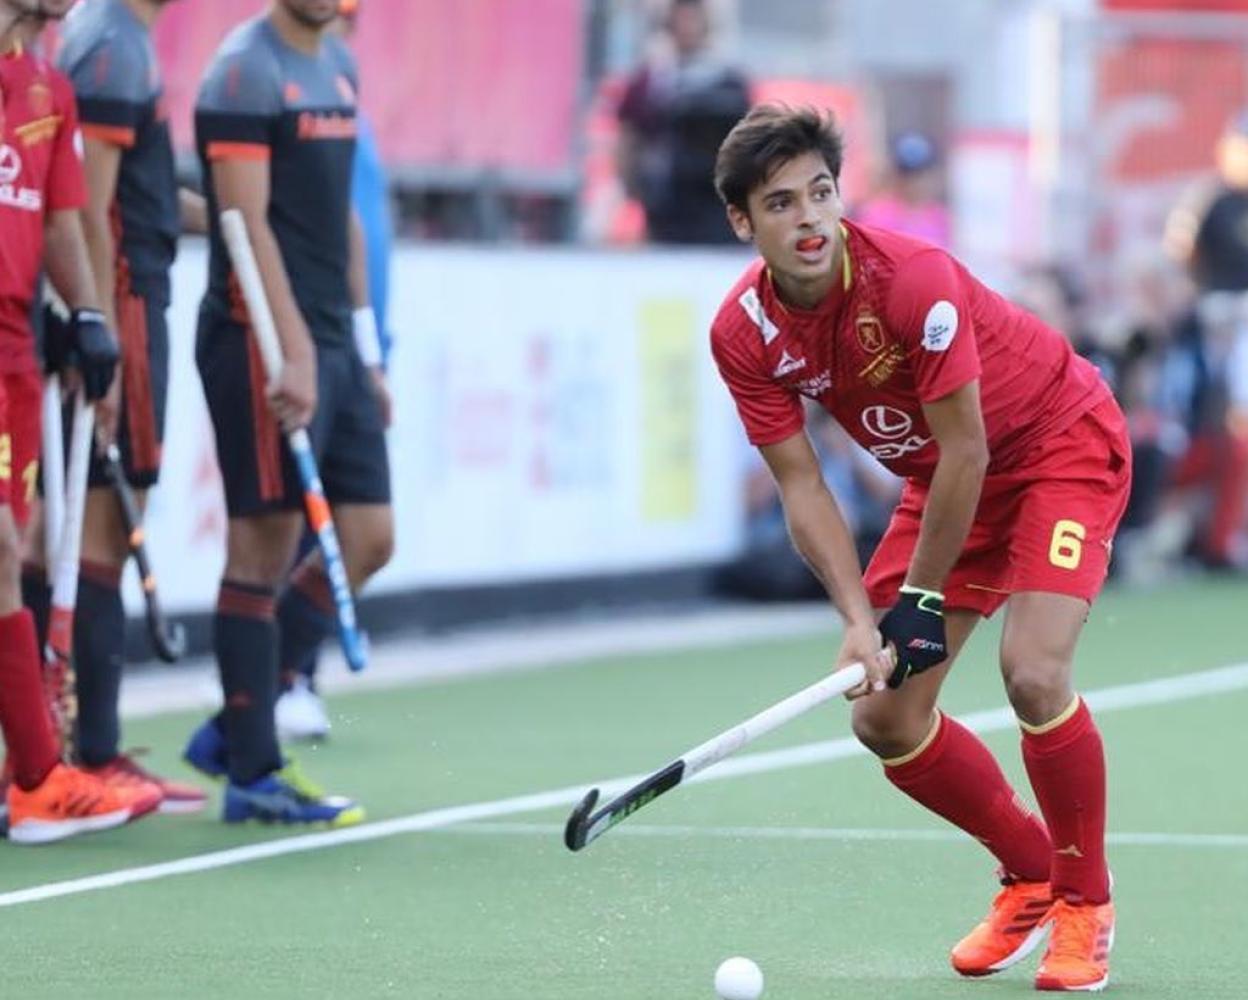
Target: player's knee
885,733
1032,682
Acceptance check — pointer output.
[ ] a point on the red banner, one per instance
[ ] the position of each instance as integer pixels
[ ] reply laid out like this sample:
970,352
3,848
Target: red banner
486,84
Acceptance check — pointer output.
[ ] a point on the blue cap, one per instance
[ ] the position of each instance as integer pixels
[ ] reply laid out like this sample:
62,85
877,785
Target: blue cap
913,151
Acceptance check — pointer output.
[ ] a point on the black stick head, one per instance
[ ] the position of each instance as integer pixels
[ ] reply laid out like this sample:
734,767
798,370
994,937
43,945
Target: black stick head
169,640
578,823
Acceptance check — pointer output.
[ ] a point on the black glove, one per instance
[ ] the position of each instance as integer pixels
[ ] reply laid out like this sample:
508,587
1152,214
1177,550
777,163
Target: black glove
55,340
93,351
915,626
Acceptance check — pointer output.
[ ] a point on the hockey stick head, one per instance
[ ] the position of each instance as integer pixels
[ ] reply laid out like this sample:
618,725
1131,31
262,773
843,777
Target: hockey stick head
169,641
575,833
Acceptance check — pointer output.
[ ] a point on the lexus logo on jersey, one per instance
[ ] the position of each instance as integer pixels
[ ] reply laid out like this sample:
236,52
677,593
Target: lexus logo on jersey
10,164
886,422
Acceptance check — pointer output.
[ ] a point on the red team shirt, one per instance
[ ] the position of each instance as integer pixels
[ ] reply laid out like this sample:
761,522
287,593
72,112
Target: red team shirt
907,324
40,172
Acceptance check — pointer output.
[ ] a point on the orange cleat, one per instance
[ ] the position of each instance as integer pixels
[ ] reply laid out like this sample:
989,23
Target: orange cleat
123,771
1077,960
69,802
1011,931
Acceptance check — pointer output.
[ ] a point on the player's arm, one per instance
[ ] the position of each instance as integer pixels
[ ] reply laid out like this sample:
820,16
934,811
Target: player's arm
68,266
243,183
363,319
957,425
192,211
823,539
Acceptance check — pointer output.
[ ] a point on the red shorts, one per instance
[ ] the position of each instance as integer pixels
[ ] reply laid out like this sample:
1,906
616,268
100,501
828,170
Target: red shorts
21,402
1047,526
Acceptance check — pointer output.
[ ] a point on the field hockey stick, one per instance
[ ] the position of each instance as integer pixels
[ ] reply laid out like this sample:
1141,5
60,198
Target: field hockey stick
168,641
58,653
585,826
354,645
53,468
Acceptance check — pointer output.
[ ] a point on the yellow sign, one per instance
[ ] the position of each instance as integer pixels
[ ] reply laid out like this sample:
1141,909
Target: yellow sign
668,356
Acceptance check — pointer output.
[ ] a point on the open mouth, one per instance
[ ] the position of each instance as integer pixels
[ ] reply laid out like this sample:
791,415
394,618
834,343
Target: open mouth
811,244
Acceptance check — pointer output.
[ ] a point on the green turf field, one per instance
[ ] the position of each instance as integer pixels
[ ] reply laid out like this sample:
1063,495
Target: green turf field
767,865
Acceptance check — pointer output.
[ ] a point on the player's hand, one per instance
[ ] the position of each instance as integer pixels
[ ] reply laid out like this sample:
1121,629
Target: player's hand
381,390
915,627
862,644
107,412
93,351
292,398
56,337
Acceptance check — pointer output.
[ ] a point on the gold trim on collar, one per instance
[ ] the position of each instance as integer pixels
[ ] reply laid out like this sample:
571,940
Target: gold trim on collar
847,265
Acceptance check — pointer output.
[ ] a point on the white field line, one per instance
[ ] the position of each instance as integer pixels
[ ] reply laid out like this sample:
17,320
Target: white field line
1216,840
1165,690
401,663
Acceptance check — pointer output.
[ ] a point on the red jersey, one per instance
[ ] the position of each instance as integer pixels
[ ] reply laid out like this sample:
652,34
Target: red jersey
906,324
40,172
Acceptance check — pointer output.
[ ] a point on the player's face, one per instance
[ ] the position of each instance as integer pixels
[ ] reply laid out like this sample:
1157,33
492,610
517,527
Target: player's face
794,218
313,13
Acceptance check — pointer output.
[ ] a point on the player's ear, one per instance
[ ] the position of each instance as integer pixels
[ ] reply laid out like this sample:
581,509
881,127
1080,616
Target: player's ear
740,222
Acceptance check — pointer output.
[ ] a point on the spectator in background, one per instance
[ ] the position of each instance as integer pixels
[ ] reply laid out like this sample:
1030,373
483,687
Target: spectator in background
1208,231
911,201
770,569
301,711
676,110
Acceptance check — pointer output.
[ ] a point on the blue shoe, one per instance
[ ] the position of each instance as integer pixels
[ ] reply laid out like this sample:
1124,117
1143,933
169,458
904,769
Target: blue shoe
205,750
274,799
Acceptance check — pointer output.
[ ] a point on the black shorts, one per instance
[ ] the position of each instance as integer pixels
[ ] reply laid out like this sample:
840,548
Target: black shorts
144,372
347,433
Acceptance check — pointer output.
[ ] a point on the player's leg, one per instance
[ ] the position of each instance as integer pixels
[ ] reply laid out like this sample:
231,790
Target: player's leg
263,499
944,766
1060,548
47,800
1065,761
99,626
306,613
356,474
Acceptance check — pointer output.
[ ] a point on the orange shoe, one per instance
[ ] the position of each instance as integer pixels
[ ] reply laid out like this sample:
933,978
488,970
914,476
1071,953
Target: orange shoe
1078,956
69,802
123,771
1010,932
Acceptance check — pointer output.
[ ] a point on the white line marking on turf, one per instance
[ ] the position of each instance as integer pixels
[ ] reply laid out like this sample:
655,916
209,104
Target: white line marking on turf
1165,690
1220,840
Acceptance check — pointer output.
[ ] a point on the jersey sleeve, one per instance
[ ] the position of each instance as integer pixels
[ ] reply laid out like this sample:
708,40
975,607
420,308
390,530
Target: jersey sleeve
769,412
930,311
238,107
112,84
67,183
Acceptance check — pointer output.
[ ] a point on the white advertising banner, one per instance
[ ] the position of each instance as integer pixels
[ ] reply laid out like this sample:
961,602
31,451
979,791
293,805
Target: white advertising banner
556,413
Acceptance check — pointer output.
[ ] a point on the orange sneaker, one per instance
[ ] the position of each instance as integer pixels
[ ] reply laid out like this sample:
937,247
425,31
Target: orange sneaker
1008,934
124,771
1078,956
68,802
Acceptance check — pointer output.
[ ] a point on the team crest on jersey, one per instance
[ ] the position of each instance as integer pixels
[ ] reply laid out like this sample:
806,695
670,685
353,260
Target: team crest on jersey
883,366
753,306
39,98
870,332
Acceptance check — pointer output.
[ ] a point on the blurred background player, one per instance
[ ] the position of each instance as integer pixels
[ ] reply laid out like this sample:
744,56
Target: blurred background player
131,222
301,710
1017,463
676,109
41,192
910,201
275,128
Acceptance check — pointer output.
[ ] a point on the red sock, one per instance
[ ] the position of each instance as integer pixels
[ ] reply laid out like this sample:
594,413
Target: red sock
956,776
1066,765
33,747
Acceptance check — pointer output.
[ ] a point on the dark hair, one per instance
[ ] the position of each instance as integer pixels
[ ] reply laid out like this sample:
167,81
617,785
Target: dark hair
769,136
